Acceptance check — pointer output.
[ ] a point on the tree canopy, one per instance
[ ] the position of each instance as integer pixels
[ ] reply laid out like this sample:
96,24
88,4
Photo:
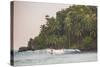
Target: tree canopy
73,27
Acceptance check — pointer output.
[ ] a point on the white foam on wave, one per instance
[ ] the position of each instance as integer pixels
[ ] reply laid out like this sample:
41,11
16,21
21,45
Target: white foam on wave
62,51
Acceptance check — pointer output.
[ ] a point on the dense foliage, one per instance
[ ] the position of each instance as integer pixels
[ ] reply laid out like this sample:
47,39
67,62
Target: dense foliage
73,27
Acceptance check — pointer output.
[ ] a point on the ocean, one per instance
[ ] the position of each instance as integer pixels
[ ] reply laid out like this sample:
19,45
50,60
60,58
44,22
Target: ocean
41,57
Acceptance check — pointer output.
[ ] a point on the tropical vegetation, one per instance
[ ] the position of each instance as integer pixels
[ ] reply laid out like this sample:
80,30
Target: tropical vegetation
73,27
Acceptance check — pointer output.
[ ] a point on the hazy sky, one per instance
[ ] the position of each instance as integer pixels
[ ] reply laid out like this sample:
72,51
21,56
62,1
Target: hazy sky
28,16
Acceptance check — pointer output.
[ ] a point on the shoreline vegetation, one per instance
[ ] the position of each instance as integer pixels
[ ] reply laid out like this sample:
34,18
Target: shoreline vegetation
73,28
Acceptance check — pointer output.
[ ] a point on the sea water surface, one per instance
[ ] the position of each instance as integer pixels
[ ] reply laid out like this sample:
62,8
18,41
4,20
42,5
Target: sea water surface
41,57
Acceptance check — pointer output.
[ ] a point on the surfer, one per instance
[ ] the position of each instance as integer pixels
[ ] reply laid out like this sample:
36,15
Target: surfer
51,51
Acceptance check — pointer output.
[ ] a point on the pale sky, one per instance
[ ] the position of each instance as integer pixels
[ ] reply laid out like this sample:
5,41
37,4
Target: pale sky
28,16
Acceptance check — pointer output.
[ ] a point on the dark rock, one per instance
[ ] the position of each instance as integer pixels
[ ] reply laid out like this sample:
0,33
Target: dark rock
22,49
